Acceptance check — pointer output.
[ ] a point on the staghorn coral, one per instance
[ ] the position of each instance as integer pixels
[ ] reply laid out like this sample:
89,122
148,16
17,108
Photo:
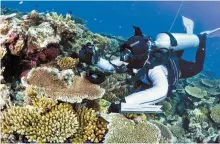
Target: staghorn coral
195,92
42,104
4,95
67,62
40,36
122,130
55,126
177,131
65,26
166,134
215,113
53,86
91,127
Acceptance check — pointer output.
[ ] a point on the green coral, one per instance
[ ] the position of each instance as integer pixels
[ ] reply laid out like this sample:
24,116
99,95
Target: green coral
166,134
123,130
215,113
195,92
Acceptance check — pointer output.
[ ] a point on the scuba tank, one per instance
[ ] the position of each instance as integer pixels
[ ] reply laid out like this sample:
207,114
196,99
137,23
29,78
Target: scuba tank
175,41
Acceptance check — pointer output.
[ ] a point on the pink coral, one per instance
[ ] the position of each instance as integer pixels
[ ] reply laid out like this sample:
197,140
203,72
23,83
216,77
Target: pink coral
51,52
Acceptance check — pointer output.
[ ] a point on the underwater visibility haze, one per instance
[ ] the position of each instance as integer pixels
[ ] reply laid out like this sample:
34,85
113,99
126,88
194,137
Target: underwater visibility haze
47,95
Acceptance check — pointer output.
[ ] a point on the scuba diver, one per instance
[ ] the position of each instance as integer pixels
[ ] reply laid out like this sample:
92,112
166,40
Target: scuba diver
154,66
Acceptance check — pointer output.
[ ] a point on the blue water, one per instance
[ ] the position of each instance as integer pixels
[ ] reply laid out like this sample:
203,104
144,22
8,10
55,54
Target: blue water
152,17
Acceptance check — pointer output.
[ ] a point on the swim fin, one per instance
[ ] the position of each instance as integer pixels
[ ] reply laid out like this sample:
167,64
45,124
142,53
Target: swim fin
212,33
188,25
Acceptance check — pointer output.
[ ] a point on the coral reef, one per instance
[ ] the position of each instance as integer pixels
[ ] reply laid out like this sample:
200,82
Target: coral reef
4,95
67,62
115,90
215,113
55,126
40,36
53,86
91,127
195,92
129,132
166,134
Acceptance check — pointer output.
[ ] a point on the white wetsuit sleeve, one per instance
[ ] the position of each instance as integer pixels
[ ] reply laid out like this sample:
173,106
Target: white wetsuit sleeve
106,66
155,94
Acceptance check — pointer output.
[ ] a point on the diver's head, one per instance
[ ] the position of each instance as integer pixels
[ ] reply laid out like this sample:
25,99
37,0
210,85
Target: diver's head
134,52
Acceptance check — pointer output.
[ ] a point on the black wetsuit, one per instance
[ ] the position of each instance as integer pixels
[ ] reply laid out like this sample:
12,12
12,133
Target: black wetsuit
189,69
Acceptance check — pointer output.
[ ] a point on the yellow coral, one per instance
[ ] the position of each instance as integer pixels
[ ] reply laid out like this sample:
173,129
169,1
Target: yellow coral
18,47
55,126
41,103
92,128
55,88
67,62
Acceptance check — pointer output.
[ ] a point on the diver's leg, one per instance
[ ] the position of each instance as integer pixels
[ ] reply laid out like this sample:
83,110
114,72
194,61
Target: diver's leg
189,69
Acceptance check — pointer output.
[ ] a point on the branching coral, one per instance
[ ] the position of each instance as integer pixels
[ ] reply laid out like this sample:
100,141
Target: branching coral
91,127
195,92
67,62
55,126
42,104
122,130
4,95
114,88
215,113
55,88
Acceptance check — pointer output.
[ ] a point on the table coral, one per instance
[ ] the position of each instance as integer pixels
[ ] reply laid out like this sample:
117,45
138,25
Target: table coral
55,88
122,130
215,113
195,92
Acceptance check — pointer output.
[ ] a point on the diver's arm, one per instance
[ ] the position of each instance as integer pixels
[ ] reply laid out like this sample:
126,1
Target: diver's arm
105,65
155,94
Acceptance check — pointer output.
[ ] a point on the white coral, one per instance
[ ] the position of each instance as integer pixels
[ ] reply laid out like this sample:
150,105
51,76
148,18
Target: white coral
4,95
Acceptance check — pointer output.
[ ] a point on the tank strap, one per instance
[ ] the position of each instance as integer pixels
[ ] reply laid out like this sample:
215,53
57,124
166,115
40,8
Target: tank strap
173,41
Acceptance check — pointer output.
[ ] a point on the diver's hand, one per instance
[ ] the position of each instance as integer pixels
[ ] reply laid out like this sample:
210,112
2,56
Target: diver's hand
121,69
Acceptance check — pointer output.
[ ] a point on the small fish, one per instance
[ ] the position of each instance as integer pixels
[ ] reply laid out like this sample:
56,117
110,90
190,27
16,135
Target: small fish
119,27
100,21
95,19
21,2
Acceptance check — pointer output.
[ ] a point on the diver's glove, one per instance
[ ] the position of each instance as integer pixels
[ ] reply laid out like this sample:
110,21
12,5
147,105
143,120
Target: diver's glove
88,54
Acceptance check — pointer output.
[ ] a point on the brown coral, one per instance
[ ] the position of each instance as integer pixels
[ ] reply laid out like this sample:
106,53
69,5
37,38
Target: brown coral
115,90
55,88
18,47
91,127
67,62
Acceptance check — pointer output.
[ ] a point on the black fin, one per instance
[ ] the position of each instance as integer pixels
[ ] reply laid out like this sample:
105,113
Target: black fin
179,53
137,31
